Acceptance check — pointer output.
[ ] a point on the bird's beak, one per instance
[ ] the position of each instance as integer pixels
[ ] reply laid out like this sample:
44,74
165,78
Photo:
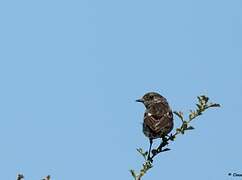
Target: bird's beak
140,100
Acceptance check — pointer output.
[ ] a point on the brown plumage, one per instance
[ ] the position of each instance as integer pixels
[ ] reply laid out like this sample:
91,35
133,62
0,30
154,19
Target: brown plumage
158,117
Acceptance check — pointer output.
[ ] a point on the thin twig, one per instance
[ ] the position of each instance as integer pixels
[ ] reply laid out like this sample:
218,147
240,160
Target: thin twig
20,177
185,126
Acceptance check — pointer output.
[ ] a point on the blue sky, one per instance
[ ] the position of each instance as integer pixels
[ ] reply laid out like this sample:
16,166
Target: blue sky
71,70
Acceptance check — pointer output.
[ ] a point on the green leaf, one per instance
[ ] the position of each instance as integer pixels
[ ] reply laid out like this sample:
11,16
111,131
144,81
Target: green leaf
190,116
166,149
199,98
179,114
140,150
205,98
199,106
144,154
190,128
132,173
184,125
215,105
172,137
178,130
199,113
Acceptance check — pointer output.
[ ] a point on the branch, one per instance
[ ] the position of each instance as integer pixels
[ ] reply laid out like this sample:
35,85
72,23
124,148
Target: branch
47,178
202,106
20,177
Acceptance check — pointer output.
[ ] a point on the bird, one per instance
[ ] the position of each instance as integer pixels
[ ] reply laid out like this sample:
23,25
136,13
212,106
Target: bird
158,117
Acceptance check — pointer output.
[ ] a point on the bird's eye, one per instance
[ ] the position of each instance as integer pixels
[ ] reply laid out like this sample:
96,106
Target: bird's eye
151,96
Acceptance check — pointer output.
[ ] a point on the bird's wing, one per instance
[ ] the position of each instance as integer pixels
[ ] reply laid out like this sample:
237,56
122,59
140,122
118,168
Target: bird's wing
162,124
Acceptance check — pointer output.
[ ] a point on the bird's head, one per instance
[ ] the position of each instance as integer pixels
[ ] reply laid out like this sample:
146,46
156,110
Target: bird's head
150,98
